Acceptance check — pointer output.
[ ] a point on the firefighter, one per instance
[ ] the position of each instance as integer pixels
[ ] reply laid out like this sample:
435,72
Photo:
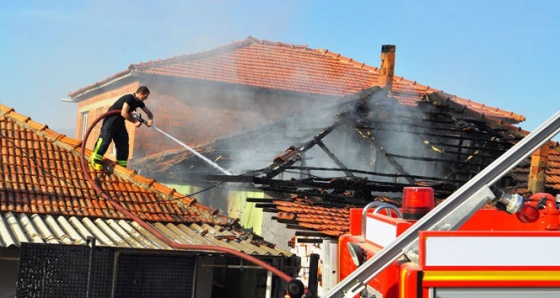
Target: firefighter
114,129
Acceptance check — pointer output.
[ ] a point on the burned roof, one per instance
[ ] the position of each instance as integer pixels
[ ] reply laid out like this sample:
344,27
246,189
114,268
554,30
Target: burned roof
342,139
366,147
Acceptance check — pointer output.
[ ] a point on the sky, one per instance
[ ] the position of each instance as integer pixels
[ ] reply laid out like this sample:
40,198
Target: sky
502,53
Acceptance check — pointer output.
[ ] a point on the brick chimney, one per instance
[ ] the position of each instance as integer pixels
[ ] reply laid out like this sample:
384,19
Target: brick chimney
387,69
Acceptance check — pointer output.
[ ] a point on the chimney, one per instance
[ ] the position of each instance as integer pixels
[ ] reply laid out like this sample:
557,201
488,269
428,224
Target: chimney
537,175
387,69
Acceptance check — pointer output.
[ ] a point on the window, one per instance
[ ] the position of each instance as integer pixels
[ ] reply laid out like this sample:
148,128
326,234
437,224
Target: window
84,124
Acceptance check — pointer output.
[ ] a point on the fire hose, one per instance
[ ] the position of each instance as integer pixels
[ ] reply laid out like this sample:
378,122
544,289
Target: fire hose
295,286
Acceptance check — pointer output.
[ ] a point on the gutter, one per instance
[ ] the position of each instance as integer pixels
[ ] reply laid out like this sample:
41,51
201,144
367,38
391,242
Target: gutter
77,95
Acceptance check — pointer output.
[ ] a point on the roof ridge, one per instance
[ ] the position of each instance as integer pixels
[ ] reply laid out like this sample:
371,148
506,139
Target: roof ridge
250,40
277,43
193,56
325,52
348,60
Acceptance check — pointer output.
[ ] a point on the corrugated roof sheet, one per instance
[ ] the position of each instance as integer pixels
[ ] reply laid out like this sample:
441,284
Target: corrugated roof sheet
16,228
44,197
287,67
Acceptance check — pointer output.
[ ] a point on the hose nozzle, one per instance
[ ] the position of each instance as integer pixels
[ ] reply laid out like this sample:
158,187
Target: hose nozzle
139,118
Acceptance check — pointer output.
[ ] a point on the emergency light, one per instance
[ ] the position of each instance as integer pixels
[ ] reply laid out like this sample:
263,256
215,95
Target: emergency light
416,202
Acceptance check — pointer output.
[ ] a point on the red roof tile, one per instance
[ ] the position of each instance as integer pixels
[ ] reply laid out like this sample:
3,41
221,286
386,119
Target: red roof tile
329,221
41,173
287,67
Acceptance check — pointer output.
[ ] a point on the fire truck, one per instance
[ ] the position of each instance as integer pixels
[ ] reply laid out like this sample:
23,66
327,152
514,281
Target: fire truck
479,242
492,254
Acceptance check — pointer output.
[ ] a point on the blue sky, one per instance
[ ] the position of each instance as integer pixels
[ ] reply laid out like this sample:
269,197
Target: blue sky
503,53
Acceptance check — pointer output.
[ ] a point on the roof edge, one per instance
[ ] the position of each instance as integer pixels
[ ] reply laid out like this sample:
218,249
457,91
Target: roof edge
103,83
132,68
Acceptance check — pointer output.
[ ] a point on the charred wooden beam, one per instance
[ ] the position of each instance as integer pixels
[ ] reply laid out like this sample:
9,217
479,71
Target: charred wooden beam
324,184
431,159
226,178
444,132
285,221
372,189
461,149
391,161
416,177
259,200
309,234
343,200
310,240
278,169
296,227
263,205
281,183
334,158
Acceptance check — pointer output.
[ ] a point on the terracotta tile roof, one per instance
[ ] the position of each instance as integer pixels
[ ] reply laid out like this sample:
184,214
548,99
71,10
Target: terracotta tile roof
287,67
41,178
301,212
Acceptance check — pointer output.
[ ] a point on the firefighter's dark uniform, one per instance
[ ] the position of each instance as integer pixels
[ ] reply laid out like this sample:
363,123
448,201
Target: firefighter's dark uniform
114,129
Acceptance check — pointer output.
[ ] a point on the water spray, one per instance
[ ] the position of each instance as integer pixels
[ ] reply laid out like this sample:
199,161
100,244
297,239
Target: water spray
213,164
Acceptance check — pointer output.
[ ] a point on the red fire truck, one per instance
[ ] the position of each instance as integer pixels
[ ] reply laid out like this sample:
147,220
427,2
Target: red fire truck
492,254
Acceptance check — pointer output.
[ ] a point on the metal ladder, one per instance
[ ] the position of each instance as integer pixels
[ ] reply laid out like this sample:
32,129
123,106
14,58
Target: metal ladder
450,214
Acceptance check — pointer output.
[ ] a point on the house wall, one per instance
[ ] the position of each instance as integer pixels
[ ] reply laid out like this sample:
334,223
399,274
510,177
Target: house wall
250,216
275,232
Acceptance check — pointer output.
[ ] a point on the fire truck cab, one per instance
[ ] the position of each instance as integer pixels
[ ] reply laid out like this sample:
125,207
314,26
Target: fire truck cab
492,254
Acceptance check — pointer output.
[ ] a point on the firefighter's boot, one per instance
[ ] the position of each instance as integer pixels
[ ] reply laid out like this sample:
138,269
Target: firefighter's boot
96,165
